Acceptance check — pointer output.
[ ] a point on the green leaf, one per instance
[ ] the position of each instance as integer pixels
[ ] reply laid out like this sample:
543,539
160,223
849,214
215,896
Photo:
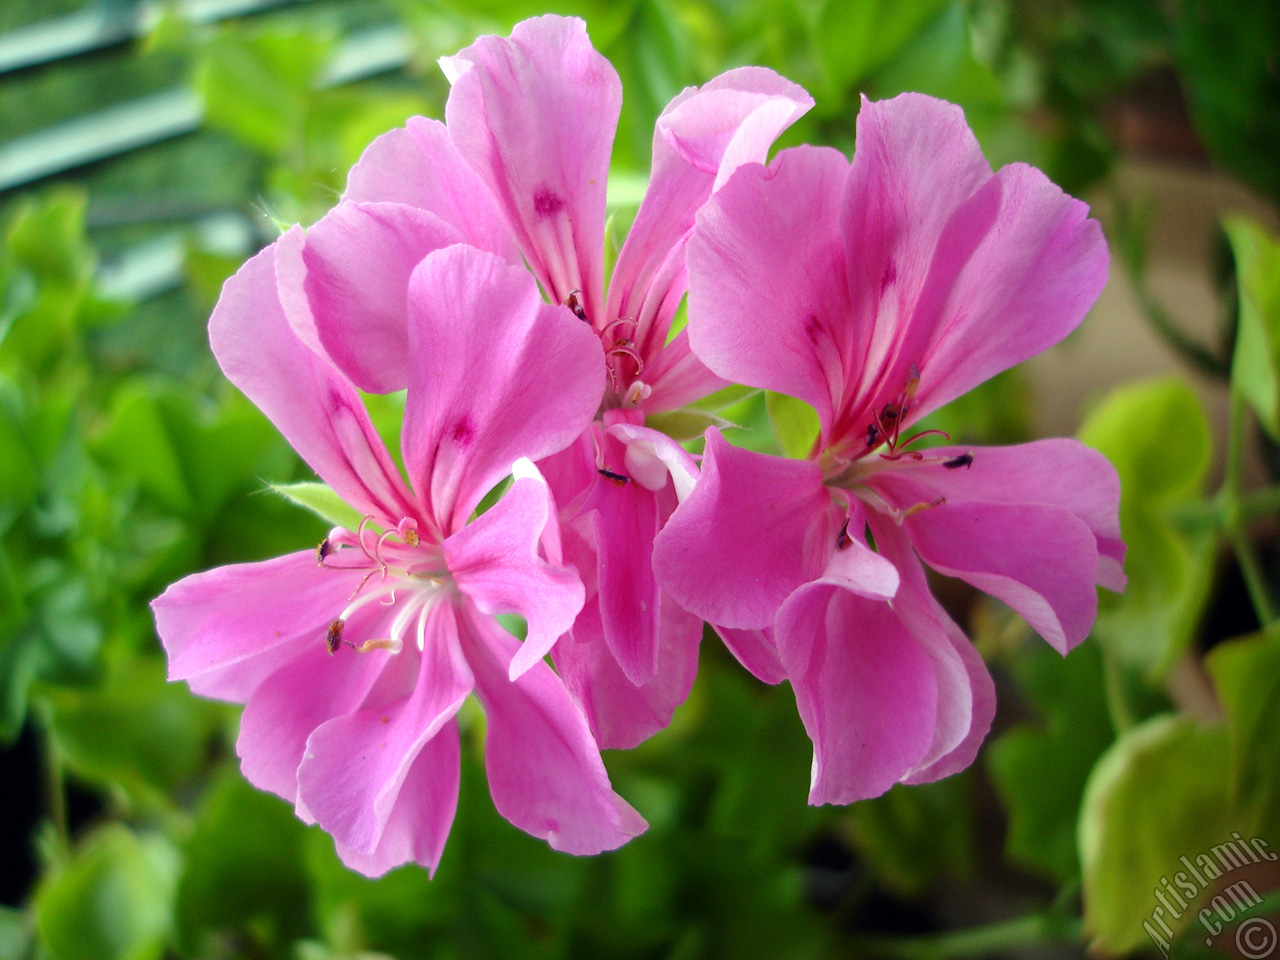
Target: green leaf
1040,769
321,500
137,444
854,37
1156,434
685,424
244,874
1255,368
795,424
15,932
626,190
258,87
914,834
137,732
1246,673
112,901
1159,794
49,238
1226,54
734,393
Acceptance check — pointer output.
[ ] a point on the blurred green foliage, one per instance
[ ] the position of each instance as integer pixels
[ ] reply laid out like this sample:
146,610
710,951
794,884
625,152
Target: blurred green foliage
128,462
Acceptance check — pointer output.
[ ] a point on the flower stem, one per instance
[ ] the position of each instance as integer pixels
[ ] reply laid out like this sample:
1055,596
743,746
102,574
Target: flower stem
1118,707
1036,928
1234,517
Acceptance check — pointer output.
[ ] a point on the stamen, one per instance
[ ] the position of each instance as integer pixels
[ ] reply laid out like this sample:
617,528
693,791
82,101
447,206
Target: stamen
617,479
639,390
357,602
964,460
625,348
334,637
842,538
574,303
323,551
609,326
917,507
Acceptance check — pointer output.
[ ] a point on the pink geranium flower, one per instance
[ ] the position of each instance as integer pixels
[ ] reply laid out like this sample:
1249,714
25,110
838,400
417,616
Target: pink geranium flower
354,659
520,169
876,292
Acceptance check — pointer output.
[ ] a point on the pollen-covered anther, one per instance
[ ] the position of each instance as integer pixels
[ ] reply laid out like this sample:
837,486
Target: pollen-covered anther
617,479
333,639
407,531
637,393
574,302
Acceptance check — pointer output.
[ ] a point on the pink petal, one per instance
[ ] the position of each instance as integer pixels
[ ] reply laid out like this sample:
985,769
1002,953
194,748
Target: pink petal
495,561
856,567
957,272
356,763
621,713
915,164
866,690
755,650
653,459
419,822
535,115
1059,472
1029,283
311,403
625,519
1039,559
545,771
676,377
496,374
754,529
219,628
418,165
620,515
966,695
700,138
311,688
768,299
359,259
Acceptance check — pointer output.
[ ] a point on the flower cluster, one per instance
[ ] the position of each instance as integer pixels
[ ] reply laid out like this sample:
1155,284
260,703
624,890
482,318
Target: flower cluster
465,267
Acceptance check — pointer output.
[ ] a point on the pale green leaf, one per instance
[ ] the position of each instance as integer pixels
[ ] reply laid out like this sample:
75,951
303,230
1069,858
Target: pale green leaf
112,901
1255,368
795,424
1158,795
1156,434
1246,673
321,500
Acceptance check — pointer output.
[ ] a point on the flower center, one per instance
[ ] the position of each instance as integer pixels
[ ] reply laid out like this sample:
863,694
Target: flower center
622,360
401,569
885,451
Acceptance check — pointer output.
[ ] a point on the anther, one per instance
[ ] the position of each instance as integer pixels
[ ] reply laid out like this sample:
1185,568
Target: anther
617,479
407,530
955,463
323,551
574,303
842,538
334,637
